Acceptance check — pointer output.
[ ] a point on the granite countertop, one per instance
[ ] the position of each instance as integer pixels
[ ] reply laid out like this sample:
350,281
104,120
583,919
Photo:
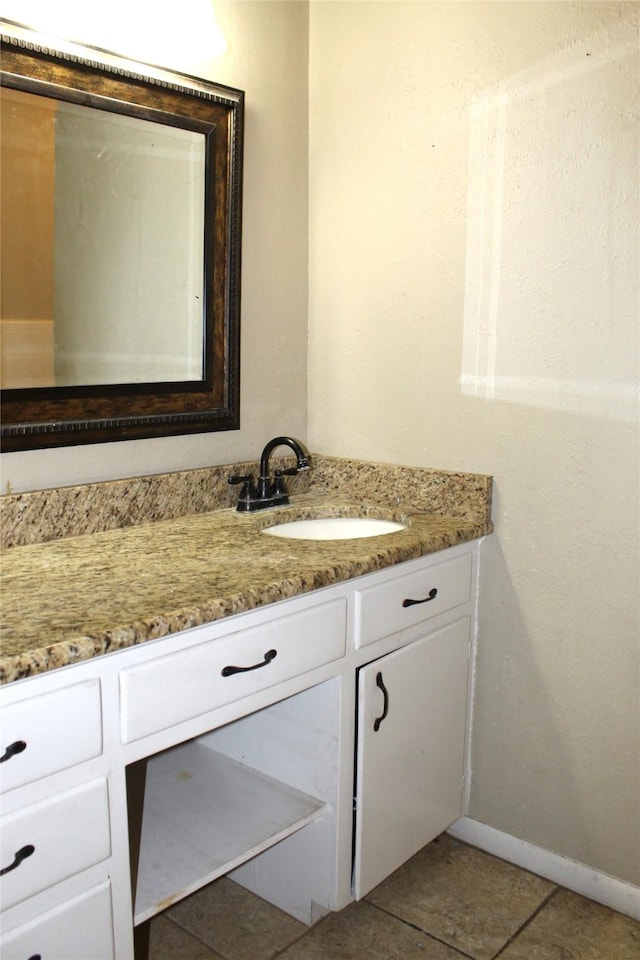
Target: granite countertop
82,596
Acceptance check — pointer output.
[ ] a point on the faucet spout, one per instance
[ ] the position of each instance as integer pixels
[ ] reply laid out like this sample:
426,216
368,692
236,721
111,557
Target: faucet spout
268,493
301,455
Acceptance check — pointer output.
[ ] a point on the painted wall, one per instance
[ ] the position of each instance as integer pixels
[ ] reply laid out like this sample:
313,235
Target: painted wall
474,305
266,56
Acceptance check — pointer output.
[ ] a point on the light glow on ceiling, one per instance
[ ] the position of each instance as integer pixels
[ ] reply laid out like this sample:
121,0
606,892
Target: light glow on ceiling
139,29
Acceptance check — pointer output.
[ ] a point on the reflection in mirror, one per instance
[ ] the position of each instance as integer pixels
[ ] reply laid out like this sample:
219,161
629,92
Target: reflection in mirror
113,250
119,292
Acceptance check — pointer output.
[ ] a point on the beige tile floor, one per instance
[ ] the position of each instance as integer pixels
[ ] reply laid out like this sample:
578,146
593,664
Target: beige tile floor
449,902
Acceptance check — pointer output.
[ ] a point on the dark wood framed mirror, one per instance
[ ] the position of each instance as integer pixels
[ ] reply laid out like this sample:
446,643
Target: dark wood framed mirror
121,232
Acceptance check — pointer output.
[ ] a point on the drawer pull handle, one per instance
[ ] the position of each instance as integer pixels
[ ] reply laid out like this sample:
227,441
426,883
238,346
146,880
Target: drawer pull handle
385,704
16,747
268,657
21,855
36,956
433,593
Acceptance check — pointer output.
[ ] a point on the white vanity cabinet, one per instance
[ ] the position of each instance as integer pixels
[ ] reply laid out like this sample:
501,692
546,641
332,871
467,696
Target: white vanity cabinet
56,836
229,749
412,711
412,708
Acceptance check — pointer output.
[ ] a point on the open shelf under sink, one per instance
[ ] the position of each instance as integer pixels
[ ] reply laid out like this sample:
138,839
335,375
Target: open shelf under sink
204,814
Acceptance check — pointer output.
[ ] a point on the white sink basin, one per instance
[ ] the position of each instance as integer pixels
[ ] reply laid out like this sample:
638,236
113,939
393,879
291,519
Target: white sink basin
333,528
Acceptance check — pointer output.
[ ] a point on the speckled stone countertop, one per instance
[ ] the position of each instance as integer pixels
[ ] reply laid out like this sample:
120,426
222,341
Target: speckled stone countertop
79,597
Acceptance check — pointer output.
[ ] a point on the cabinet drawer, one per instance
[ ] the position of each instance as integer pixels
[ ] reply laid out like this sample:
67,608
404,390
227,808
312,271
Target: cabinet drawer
79,929
54,839
166,691
44,734
408,600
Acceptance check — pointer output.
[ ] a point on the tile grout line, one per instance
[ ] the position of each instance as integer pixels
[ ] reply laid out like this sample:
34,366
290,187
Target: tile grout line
426,933
195,936
412,926
523,926
279,953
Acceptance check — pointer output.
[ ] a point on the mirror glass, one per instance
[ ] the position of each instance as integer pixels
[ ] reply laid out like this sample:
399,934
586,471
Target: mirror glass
102,248
120,257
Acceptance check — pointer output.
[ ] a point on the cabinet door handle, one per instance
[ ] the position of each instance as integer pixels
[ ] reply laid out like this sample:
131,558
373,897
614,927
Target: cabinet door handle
433,593
268,657
16,747
385,704
20,855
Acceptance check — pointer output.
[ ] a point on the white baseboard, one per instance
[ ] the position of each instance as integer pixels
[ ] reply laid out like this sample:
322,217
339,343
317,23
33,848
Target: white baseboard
620,896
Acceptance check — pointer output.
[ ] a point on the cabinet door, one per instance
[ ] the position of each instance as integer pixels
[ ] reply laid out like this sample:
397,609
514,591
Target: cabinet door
412,708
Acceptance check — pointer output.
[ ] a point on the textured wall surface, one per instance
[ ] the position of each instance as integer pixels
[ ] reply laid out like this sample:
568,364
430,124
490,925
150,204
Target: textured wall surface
266,56
474,305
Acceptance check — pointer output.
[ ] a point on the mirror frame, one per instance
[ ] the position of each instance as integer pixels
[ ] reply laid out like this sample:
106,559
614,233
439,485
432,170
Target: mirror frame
39,417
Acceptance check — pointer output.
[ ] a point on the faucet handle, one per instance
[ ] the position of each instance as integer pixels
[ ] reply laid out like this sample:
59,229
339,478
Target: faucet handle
245,478
247,492
279,489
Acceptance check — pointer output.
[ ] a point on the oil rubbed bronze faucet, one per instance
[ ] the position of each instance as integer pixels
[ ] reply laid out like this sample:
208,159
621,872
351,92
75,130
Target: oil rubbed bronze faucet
270,493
